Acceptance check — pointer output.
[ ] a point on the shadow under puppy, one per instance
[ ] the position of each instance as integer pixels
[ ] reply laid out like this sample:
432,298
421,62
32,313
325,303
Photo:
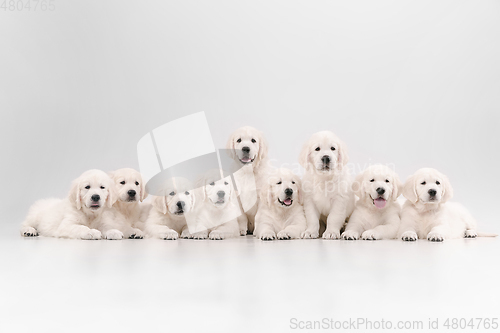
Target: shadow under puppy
377,212
130,190
281,212
167,218
85,213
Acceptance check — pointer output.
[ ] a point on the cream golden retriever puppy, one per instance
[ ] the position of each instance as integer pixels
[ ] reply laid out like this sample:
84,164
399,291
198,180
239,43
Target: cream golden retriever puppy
217,208
377,212
167,218
248,148
427,212
326,185
130,190
85,214
280,214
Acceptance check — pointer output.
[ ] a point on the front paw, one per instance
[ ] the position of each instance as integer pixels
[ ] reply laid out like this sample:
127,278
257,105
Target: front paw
113,234
409,236
217,235
470,233
371,235
350,235
170,235
91,234
29,232
200,235
286,234
267,236
435,237
186,234
308,234
331,234
137,234
243,232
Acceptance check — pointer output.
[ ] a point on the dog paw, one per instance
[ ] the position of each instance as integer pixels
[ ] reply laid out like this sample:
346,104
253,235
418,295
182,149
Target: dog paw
371,235
91,234
137,234
409,236
309,234
217,235
113,234
267,236
283,234
29,232
171,235
328,234
435,237
470,233
186,234
200,235
350,235
243,232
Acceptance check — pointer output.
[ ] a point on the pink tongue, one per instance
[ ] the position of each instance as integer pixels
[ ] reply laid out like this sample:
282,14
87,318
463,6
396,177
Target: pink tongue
379,203
287,202
246,159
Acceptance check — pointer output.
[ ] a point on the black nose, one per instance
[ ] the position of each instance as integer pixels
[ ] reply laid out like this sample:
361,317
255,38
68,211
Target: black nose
326,159
131,193
221,194
181,204
432,192
288,192
246,149
95,197
380,190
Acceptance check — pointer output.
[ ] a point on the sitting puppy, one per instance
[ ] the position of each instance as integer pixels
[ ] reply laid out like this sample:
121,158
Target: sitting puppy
130,189
376,214
217,213
427,212
326,185
167,218
280,214
85,214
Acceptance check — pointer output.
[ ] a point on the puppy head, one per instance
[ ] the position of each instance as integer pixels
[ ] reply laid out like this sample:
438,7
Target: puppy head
428,186
247,145
216,189
282,190
179,198
92,190
323,152
377,185
129,185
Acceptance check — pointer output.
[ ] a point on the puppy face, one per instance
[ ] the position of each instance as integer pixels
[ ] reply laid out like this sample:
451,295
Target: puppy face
377,185
219,192
179,198
282,190
428,186
248,145
92,190
129,185
323,152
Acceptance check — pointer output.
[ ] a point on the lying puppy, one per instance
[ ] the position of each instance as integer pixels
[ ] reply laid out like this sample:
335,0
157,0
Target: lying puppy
167,218
376,214
280,214
85,214
427,212
326,185
217,212
131,189
248,148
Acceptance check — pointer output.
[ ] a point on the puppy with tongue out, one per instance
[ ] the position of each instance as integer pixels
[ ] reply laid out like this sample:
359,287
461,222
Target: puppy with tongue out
377,213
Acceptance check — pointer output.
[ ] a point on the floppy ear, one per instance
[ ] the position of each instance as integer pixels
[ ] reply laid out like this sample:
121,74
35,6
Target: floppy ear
112,197
160,204
409,190
299,192
263,149
357,185
265,194
343,157
144,193
304,155
230,145
447,189
74,194
398,187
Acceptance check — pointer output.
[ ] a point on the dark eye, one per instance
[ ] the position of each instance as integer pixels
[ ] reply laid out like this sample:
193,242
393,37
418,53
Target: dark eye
387,180
122,182
186,193
172,193
317,149
372,180
293,182
279,183
333,148
239,140
437,182
225,183
102,187
87,187
423,183
212,183
137,183
253,140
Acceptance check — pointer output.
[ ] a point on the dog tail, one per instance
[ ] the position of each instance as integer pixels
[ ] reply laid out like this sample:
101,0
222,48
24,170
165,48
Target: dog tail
486,234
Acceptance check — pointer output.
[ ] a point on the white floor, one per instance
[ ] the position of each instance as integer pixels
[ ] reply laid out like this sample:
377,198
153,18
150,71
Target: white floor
239,285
